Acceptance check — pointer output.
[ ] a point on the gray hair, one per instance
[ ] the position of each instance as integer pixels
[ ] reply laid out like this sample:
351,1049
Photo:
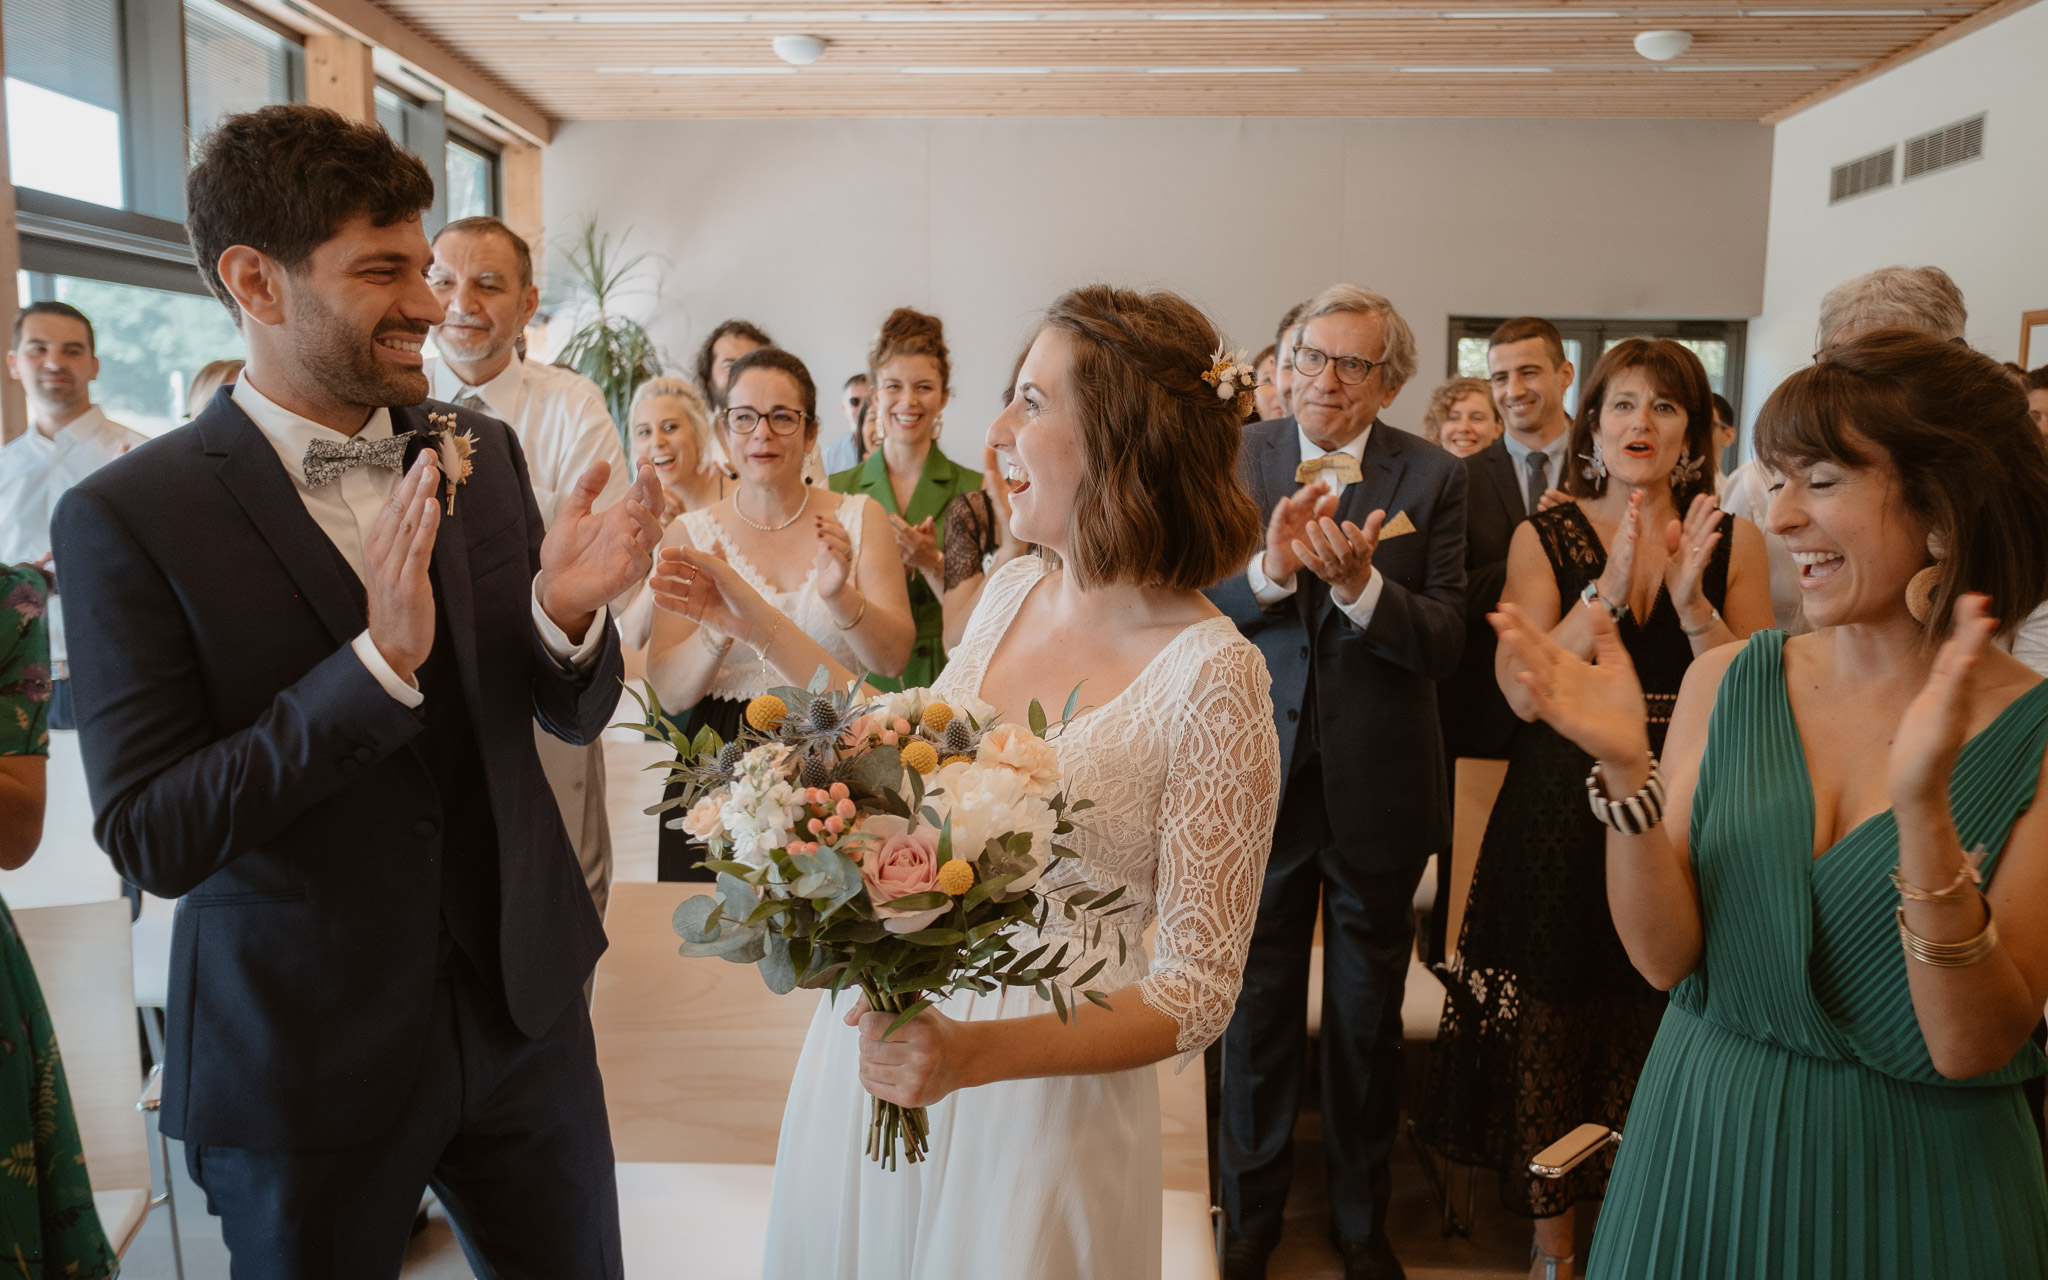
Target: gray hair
694,410
1399,365
1918,298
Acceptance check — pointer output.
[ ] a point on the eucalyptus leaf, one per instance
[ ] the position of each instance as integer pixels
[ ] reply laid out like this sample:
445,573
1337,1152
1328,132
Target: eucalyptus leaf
777,969
690,918
1037,719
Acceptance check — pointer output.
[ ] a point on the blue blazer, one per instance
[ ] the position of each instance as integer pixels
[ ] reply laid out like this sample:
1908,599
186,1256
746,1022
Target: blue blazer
241,757
1375,689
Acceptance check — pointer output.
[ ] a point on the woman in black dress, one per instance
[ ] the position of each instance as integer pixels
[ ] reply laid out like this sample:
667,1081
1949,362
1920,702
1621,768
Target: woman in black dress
1546,1025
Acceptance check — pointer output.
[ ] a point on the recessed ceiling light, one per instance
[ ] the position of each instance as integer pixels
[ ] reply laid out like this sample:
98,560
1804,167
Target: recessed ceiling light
975,71
1754,66
1221,71
1473,71
1496,15
1220,15
1663,46
749,70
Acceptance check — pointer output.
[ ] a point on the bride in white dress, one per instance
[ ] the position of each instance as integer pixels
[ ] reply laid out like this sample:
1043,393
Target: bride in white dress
1044,1160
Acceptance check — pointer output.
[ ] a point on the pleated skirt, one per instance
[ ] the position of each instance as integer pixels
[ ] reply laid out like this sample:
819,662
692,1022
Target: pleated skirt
1049,1179
1743,1159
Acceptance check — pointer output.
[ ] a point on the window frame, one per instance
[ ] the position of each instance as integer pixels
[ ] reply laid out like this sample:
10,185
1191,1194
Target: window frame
458,135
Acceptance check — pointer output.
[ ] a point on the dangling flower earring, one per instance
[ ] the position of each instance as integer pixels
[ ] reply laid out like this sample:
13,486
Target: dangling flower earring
938,424
1920,588
1596,466
1688,469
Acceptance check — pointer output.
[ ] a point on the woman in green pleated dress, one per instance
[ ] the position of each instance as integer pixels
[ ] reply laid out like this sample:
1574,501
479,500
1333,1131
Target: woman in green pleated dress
911,477
48,1227
1847,896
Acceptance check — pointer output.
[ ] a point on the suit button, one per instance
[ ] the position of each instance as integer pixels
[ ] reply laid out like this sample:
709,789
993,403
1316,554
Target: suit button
1292,715
1304,651
348,764
365,755
424,829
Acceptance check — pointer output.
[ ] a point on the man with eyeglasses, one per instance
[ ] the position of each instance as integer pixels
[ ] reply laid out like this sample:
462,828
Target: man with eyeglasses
483,274
1357,602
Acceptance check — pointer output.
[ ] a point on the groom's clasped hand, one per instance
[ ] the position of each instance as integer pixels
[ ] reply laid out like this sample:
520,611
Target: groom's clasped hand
588,558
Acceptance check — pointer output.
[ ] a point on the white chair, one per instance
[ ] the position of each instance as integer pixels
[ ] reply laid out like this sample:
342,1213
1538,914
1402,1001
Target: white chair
82,961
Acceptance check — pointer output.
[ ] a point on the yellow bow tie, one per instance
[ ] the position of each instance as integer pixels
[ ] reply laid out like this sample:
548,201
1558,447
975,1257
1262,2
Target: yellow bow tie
1343,469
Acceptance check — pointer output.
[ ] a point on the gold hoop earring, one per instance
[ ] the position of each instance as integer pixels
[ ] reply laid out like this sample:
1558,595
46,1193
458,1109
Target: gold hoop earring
1922,586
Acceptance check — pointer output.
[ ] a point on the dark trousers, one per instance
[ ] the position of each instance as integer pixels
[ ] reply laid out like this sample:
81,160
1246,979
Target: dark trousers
1368,931
510,1133
63,710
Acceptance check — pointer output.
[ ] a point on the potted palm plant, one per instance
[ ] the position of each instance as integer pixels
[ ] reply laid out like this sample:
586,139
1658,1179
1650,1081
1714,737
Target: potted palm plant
610,349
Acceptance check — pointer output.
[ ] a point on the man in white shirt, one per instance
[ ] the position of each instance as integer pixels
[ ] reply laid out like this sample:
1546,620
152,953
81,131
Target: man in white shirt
483,275
53,358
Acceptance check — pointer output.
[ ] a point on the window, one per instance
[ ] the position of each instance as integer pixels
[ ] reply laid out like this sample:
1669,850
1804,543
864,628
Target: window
150,342
234,63
1718,344
472,180
420,127
64,98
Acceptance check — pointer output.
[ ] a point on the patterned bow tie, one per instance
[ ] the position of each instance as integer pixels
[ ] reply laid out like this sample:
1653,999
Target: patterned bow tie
326,461
1343,469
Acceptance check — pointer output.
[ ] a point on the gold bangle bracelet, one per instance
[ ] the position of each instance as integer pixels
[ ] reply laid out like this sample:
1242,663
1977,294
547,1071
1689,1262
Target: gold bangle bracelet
1949,955
858,614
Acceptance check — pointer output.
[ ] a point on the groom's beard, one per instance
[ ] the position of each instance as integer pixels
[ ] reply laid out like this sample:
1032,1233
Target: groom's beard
343,361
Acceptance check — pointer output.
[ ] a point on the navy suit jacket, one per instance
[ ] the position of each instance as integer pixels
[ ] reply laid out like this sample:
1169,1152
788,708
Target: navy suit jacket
242,758
1375,689
1477,718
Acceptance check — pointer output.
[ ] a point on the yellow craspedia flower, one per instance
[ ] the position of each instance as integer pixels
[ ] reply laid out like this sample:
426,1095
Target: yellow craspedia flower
956,760
767,712
920,755
937,716
956,877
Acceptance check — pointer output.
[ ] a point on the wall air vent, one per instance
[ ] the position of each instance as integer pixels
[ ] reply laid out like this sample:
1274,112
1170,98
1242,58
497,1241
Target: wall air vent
1858,176
1961,141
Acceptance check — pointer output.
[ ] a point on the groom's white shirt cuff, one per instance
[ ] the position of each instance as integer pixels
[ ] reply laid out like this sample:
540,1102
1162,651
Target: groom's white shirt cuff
1268,592
577,657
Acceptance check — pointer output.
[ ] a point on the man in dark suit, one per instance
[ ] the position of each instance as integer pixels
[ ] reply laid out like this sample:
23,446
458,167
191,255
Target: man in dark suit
1507,482
309,659
1355,644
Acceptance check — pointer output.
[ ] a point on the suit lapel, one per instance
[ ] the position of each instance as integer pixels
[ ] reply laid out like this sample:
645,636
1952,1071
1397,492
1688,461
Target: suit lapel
1506,486
1283,459
451,563
250,469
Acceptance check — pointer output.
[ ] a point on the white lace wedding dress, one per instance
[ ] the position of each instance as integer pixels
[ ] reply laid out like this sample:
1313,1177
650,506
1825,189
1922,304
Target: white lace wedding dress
1059,1178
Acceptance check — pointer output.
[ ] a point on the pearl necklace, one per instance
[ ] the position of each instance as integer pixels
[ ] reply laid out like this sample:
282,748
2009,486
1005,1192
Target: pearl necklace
771,528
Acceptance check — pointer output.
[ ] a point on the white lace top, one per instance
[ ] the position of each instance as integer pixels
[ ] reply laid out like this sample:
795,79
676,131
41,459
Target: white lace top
1184,770
742,675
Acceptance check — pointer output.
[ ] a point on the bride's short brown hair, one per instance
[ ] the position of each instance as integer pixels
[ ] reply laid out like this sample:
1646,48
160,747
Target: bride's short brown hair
1160,503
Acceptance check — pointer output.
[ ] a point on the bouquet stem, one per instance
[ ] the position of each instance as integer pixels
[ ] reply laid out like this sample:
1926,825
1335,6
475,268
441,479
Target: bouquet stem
893,1128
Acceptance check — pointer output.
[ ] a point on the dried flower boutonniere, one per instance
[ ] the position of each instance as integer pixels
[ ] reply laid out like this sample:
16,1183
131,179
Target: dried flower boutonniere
454,450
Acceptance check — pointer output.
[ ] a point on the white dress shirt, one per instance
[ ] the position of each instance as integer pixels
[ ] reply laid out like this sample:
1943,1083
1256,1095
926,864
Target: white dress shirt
1267,592
561,421
1555,451
346,510
35,470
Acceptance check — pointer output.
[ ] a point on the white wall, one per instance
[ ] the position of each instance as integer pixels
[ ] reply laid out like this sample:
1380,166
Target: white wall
816,228
1982,222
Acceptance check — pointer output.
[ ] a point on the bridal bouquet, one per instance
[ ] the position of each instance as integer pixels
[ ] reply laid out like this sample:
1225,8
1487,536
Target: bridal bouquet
896,843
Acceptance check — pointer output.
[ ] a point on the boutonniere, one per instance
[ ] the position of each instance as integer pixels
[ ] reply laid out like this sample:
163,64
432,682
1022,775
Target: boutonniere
454,450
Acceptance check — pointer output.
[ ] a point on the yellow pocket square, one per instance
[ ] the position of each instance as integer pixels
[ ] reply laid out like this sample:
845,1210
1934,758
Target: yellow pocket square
1398,525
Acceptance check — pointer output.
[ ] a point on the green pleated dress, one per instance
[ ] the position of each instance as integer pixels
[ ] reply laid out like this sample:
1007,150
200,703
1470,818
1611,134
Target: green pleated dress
1789,1122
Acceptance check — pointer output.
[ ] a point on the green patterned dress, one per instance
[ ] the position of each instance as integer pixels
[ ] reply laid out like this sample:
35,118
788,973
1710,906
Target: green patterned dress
48,1228
1789,1122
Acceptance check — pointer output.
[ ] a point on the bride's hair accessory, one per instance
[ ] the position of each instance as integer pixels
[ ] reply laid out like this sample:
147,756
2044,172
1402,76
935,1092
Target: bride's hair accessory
1233,379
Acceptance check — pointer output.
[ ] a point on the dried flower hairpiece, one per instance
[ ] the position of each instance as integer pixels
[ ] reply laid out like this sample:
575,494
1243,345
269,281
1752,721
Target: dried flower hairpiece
454,451
1233,379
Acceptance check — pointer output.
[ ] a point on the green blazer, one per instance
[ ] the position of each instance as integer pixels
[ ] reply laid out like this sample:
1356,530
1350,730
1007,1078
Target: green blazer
942,481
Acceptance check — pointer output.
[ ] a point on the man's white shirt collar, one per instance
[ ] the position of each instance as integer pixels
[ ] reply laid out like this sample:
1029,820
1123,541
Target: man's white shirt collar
500,394
289,433
1310,451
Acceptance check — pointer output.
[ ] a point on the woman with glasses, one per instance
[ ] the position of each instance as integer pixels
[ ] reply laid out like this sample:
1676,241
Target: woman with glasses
911,477
827,563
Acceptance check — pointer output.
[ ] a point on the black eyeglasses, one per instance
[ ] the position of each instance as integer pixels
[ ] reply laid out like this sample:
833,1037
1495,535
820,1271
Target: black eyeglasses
1351,370
781,422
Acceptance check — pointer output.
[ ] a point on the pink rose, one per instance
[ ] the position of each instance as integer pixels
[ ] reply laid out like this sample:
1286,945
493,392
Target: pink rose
1014,747
898,863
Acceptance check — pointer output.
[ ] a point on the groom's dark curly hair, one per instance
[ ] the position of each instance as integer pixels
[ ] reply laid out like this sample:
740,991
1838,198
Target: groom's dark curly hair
284,179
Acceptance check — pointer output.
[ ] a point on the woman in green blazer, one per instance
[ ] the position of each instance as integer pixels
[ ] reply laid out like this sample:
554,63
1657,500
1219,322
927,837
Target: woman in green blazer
909,475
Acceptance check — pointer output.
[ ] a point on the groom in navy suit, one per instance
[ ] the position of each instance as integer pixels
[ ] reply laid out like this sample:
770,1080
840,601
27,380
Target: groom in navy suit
1356,601
311,630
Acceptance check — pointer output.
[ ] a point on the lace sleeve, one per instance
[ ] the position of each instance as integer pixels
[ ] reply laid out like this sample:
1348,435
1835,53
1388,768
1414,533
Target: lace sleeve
970,527
1215,833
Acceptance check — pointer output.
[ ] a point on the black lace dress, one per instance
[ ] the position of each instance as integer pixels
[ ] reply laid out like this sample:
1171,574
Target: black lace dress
1546,1024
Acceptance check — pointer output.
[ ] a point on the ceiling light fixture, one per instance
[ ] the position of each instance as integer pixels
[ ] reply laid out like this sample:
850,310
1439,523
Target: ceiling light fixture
1752,66
1473,71
975,71
749,70
1516,15
798,50
1663,46
1222,71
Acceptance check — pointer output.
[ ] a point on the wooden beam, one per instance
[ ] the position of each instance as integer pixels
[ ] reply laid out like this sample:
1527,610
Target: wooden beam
339,75
1947,35
524,212
13,405
370,24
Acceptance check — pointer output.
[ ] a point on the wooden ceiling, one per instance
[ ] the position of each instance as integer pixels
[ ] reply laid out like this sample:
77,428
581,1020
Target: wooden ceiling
620,59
